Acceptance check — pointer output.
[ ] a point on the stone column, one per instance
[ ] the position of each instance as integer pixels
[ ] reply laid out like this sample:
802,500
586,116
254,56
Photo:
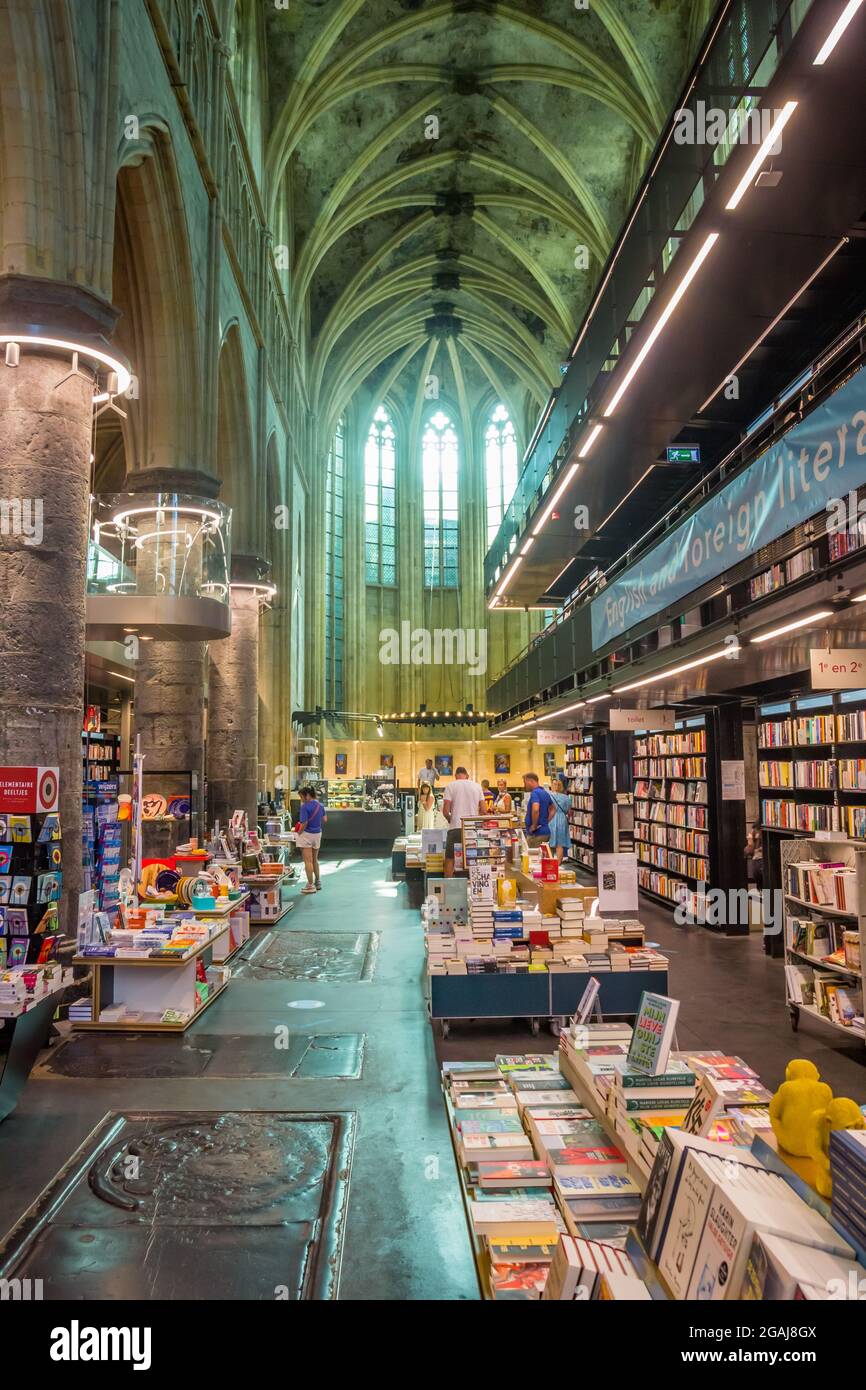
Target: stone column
45,443
171,676
233,700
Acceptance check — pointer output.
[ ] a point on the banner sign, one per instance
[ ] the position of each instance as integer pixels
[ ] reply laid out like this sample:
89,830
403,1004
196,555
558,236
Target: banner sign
819,461
29,790
558,736
642,718
838,667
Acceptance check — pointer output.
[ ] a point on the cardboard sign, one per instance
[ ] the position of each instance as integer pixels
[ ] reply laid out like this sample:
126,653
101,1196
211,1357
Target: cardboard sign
481,883
587,999
838,667
617,882
733,780
433,841
29,790
642,719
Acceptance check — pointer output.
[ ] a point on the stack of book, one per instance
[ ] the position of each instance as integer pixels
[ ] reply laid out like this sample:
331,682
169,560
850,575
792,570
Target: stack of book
824,884
642,1106
848,1170
584,1269
703,1208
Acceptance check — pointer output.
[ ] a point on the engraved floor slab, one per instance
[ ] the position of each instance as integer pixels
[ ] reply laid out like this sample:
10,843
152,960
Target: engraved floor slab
143,1056
310,955
194,1205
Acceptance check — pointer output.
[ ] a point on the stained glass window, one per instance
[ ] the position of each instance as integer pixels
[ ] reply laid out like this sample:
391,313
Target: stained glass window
380,501
500,453
440,465
334,491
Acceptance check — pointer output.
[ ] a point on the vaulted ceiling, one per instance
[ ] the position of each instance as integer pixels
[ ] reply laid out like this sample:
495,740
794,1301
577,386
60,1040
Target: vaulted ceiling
459,171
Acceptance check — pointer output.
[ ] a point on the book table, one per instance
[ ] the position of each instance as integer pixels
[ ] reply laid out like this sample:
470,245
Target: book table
147,985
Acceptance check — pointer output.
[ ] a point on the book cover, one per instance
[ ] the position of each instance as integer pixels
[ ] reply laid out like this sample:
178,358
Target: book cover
653,1033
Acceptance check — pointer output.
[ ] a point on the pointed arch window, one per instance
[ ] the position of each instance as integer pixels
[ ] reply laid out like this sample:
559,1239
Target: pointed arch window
500,456
335,473
440,469
380,501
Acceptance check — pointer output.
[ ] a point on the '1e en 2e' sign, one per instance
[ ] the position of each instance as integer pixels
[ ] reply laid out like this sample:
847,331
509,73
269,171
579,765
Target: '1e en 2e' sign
838,668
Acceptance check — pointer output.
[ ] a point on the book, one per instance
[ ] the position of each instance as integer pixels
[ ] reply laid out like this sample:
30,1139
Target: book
653,1034
517,1281
777,1268
674,1146
526,1173
539,1220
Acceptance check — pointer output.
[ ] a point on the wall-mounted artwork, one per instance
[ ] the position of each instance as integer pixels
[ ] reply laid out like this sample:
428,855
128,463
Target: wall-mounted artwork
501,764
341,764
386,760
444,764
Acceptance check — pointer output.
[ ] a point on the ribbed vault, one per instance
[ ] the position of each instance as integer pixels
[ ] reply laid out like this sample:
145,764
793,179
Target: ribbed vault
457,172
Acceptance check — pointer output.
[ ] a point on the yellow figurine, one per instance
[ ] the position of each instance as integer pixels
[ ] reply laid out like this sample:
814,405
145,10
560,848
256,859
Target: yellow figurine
793,1107
841,1113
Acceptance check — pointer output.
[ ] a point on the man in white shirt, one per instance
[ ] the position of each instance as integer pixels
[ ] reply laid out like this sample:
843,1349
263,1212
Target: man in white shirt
429,775
462,798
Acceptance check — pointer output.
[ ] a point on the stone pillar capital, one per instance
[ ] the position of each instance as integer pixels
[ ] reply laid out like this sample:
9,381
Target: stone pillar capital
35,306
192,481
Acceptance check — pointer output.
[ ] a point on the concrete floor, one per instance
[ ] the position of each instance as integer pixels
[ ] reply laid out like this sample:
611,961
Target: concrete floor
406,1232
406,1236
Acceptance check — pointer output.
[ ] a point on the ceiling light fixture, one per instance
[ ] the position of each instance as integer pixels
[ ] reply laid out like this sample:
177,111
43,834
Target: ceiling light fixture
509,575
527,545
760,155
663,318
860,598
591,438
676,670
595,698
113,364
623,500
569,474
836,32
807,621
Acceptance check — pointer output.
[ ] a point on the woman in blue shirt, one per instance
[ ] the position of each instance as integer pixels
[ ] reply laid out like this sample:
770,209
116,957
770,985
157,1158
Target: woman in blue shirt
309,837
560,836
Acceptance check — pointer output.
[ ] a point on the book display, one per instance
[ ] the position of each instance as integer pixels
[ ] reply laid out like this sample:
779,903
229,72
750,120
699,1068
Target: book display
671,811
100,755
587,1177
824,887
502,956
581,815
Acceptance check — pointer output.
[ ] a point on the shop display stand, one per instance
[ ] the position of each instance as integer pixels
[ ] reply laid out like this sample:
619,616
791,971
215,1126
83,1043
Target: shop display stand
581,816
672,811
173,984
796,851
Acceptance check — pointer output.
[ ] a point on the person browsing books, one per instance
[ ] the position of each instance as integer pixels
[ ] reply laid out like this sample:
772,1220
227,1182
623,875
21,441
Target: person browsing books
462,798
540,808
309,837
560,835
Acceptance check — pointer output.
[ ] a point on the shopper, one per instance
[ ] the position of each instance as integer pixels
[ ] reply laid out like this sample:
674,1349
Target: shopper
309,837
755,856
539,809
503,798
462,798
560,836
428,774
489,798
428,812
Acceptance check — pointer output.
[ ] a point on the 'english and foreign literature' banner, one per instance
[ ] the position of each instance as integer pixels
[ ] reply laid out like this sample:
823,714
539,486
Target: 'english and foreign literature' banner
815,464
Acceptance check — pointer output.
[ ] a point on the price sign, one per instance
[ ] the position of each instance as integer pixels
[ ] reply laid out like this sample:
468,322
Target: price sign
838,666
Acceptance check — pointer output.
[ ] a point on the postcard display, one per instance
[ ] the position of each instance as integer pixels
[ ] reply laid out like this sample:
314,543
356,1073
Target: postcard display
31,866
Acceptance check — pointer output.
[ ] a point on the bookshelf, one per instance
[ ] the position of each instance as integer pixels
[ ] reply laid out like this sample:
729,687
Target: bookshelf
100,755
581,815
812,765
824,940
671,810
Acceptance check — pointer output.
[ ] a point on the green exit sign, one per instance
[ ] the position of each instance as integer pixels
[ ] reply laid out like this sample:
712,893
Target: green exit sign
684,453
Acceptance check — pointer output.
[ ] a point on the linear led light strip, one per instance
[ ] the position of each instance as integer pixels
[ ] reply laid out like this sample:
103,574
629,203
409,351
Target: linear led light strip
569,474
660,323
836,32
770,326
675,670
808,621
763,150
567,709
